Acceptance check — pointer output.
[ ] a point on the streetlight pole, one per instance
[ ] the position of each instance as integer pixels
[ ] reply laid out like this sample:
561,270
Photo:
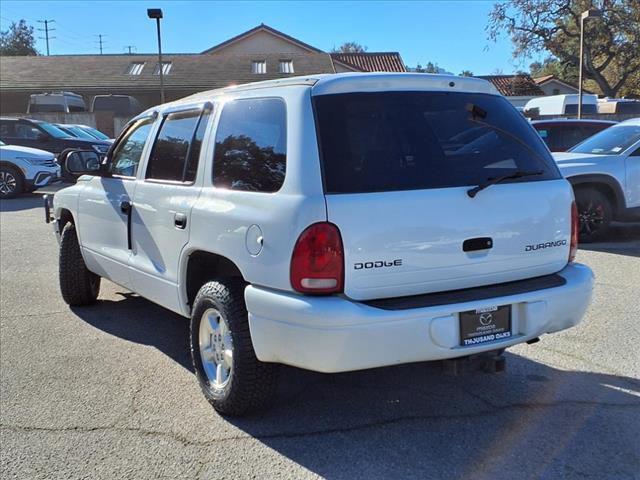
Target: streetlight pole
157,14
586,14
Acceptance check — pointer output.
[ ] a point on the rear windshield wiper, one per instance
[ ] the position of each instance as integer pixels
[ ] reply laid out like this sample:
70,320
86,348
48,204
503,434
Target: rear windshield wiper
472,192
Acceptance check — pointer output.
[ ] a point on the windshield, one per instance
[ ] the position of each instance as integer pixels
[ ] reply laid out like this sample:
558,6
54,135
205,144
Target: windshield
2,144
390,141
612,141
96,133
54,131
78,132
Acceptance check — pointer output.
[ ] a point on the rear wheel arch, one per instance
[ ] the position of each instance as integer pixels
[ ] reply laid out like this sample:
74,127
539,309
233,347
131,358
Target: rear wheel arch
201,267
65,216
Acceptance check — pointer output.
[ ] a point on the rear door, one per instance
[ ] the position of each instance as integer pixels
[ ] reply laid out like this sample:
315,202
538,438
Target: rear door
397,167
162,204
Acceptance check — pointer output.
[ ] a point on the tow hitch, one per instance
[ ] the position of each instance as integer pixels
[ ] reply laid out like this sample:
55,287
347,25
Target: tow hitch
490,362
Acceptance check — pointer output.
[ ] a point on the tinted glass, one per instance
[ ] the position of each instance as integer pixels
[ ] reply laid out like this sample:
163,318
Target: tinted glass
54,131
27,132
389,141
127,153
177,148
588,108
250,151
118,105
612,141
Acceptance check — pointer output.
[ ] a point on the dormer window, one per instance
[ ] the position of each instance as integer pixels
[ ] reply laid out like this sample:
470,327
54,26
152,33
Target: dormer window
259,66
285,66
135,68
166,68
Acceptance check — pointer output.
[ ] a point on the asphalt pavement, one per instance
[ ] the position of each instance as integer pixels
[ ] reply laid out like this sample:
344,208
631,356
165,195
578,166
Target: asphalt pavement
107,391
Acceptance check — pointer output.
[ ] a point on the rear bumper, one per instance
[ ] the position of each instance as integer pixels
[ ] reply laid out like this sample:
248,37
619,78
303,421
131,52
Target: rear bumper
334,334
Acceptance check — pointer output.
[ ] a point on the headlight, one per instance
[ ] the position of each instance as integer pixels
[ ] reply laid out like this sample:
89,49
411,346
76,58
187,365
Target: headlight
101,148
35,161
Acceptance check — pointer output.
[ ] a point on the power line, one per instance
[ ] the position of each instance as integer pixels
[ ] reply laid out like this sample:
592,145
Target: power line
130,48
46,31
100,41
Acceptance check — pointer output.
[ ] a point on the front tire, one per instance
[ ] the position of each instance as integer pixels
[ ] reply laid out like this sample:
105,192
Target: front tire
78,285
232,379
594,213
11,182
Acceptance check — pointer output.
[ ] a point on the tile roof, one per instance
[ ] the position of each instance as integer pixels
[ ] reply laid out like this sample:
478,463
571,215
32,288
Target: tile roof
514,85
108,72
372,61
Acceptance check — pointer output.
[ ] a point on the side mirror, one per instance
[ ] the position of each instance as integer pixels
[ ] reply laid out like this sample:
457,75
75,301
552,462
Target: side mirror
80,162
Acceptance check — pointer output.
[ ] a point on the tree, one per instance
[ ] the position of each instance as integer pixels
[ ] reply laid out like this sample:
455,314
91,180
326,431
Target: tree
350,47
611,42
466,73
18,40
430,67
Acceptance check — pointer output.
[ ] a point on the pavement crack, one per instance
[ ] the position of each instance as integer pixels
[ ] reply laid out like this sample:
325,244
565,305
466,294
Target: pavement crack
328,431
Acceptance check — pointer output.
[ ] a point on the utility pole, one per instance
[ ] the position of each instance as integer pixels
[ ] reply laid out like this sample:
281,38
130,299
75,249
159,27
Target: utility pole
100,41
131,48
46,31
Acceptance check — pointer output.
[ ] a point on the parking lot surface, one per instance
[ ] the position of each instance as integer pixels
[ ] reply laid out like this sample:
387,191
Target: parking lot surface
107,391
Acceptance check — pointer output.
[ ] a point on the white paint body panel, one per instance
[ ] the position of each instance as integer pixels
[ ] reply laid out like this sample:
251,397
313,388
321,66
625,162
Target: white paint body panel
333,334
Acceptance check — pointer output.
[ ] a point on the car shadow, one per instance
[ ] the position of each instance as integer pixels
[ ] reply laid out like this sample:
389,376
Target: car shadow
22,202
622,239
415,421
138,320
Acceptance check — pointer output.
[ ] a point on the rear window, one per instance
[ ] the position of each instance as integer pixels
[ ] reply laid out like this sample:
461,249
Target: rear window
390,141
118,105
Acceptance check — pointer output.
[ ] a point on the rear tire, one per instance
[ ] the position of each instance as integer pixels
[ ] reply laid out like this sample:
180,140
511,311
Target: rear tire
234,383
78,285
11,182
594,213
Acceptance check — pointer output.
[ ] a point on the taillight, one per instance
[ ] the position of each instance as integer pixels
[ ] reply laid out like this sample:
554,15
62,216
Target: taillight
317,263
575,227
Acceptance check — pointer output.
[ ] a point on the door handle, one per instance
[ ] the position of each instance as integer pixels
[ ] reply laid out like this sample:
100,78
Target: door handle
126,207
180,220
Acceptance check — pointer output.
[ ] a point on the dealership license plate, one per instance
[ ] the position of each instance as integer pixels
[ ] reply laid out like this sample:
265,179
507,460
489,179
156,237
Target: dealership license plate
485,325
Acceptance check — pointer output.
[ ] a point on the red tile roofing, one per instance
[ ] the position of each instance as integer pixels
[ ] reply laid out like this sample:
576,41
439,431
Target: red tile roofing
372,61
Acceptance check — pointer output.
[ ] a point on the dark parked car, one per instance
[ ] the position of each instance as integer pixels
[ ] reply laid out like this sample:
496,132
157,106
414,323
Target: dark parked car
562,134
44,136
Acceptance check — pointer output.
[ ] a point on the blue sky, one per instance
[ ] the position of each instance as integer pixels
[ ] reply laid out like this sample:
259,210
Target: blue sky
450,33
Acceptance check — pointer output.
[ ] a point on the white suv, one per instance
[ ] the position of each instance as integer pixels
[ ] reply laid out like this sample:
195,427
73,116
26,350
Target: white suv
24,169
605,173
333,223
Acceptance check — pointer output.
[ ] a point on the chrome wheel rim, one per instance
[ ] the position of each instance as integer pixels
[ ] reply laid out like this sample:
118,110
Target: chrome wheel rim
7,183
216,348
591,218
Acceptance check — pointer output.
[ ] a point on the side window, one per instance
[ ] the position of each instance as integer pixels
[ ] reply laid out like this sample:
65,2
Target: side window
250,151
126,155
177,147
6,129
25,131
636,153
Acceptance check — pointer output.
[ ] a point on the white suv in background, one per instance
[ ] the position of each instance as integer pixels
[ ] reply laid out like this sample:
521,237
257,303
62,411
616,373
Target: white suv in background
333,223
605,173
23,169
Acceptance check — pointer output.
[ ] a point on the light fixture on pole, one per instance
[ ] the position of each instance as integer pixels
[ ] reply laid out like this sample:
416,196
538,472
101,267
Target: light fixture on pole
591,13
157,14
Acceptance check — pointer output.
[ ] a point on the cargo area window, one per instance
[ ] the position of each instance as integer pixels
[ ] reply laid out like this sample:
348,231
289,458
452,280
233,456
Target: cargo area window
394,141
250,150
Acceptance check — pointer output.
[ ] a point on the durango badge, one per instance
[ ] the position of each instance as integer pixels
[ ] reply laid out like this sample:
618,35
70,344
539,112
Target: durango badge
540,246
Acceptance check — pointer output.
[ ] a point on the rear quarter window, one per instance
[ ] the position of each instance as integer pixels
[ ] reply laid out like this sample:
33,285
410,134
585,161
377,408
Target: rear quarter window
250,149
390,141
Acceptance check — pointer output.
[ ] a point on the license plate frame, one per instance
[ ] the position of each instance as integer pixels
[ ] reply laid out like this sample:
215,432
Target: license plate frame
485,325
